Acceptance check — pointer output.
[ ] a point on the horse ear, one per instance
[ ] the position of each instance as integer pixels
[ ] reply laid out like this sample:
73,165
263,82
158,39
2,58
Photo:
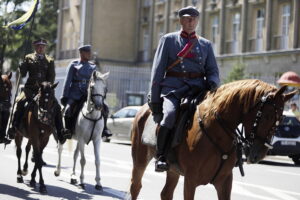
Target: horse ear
54,85
105,76
289,95
9,75
280,91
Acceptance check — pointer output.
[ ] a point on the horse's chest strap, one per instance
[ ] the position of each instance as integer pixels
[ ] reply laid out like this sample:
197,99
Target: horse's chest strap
224,155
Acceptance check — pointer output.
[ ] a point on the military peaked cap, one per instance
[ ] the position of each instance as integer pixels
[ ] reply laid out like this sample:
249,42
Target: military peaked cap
189,11
40,41
85,48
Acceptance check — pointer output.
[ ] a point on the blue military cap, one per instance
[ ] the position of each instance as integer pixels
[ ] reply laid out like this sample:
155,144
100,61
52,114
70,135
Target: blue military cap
188,11
85,48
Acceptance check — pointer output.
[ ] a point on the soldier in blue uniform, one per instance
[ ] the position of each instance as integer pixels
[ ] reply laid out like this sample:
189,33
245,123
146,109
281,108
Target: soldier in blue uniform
195,70
75,90
40,67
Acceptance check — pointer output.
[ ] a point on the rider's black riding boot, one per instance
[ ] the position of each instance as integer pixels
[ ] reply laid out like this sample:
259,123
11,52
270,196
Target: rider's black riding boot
59,127
106,132
67,131
163,136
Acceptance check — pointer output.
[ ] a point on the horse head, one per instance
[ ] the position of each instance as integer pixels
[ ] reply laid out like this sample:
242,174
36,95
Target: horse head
97,90
46,101
5,87
261,122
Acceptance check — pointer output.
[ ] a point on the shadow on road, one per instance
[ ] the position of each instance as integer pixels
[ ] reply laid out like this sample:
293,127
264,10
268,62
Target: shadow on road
274,163
15,192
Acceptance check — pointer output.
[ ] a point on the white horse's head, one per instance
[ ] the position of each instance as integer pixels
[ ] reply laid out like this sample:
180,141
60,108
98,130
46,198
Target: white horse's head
97,90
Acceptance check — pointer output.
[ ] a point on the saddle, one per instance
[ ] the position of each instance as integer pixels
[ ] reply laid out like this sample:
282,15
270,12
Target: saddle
183,123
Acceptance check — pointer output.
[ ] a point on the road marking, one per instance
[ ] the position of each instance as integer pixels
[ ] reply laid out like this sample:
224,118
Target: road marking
282,172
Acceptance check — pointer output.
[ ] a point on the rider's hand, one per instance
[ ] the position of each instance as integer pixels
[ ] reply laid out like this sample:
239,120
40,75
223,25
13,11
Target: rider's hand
63,100
212,86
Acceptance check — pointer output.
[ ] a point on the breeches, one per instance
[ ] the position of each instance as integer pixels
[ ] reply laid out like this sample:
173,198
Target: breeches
170,107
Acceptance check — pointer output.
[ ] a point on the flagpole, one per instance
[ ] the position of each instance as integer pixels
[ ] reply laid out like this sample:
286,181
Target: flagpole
27,42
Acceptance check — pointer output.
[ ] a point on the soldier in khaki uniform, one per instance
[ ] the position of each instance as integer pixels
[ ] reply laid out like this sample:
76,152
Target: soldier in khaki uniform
40,67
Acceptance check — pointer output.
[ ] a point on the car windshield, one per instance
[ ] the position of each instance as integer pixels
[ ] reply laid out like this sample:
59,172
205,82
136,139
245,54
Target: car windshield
290,121
125,113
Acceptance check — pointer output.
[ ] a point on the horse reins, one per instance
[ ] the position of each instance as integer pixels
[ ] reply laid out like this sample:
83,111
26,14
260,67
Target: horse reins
239,141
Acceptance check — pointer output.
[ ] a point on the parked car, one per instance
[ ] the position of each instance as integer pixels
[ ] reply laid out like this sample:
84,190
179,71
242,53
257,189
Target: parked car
286,141
120,123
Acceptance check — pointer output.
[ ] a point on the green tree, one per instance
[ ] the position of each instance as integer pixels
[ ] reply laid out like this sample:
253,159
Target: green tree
13,44
237,72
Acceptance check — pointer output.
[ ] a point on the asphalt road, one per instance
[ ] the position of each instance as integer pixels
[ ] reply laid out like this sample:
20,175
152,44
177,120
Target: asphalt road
274,179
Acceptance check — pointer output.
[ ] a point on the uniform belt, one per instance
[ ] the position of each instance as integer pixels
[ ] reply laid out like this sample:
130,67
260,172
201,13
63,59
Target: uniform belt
80,81
185,74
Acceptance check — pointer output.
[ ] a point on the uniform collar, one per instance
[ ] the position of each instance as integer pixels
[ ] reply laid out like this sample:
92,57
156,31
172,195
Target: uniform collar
184,34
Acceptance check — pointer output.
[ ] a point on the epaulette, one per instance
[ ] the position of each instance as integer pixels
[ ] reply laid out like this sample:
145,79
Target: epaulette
30,56
49,58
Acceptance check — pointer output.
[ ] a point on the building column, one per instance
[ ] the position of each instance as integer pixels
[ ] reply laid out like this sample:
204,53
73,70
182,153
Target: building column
202,20
269,13
59,30
296,23
167,12
151,29
244,25
222,27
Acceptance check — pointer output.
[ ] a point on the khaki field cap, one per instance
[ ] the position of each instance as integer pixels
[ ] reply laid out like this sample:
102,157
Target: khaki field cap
40,41
189,11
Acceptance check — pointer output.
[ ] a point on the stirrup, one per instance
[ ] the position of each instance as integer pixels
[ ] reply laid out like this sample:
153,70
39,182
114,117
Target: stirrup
66,134
106,133
161,165
11,132
5,140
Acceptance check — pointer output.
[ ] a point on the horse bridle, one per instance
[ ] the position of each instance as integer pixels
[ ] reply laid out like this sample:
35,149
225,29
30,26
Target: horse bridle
43,114
249,140
239,141
97,95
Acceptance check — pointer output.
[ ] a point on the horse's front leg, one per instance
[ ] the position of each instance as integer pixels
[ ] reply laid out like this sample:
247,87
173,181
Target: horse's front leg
224,187
58,166
25,166
189,188
171,182
97,163
18,141
75,156
82,163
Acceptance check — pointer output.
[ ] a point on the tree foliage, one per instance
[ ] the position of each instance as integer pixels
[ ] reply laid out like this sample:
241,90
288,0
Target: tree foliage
13,45
237,73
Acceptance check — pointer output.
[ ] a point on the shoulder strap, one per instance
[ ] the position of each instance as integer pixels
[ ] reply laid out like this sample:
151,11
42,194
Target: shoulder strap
183,56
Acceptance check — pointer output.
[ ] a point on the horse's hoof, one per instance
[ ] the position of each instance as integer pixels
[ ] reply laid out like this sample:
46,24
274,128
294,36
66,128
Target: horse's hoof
24,172
99,187
81,186
43,189
32,184
20,179
73,181
56,173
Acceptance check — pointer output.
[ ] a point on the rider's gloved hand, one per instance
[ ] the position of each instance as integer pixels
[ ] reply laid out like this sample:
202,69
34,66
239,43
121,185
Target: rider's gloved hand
63,101
212,86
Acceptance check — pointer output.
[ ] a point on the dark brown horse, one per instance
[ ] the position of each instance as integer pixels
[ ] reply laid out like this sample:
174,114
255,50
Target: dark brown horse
38,124
207,153
5,96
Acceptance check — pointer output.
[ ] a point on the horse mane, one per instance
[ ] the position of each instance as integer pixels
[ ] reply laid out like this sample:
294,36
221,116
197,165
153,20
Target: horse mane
247,91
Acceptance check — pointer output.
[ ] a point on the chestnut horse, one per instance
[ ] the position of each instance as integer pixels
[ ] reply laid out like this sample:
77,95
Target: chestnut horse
5,97
207,153
38,126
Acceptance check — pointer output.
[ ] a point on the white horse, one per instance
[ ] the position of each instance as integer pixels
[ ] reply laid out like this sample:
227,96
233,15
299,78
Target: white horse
89,127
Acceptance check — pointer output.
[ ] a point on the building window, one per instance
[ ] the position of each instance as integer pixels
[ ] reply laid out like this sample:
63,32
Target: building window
286,13
235,33
260,17
146,46
214,32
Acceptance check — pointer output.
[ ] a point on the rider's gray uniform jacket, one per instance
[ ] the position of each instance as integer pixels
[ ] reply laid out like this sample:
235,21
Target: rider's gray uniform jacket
203,62
78,76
